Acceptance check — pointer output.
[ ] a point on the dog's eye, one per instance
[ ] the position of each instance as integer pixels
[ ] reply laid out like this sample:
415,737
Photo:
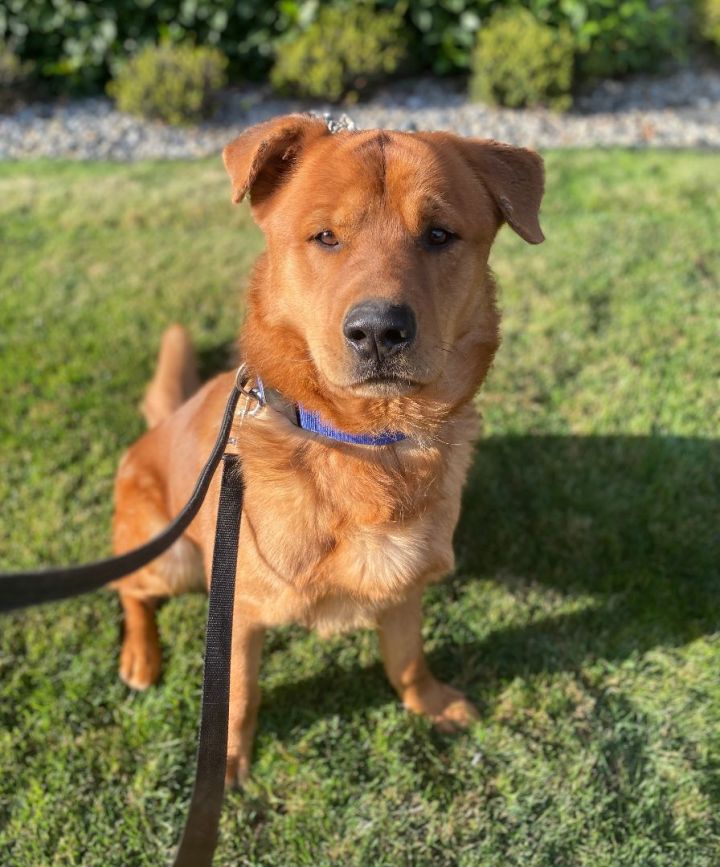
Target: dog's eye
326,238
437,237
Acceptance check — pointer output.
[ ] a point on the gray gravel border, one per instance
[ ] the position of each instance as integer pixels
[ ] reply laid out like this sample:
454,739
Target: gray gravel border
675,111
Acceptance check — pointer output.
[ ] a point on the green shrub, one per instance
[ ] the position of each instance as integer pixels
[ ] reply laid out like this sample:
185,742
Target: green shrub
612,37
519,61
15,77
616,38
709,21
174,83
341,53
76,43
443,33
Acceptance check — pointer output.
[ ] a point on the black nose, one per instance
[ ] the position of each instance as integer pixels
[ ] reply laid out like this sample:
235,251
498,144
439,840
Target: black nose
376,329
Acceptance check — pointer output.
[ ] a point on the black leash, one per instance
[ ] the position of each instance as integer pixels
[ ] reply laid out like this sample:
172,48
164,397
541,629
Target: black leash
21,589
201,826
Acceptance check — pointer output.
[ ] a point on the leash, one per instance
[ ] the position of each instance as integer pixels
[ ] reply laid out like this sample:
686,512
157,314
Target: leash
201,826
20,589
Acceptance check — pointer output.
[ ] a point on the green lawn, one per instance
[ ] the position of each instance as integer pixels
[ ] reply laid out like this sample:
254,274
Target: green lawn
584,616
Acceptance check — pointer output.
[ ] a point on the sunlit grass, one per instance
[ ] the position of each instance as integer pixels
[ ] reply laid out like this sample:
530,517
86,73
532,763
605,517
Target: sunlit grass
584,615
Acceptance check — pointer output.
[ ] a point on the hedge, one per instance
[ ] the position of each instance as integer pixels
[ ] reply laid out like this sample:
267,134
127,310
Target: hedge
521,62
81,42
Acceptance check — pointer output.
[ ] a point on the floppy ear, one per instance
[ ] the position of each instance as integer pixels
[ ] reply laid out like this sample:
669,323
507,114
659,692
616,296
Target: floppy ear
261,158
515,179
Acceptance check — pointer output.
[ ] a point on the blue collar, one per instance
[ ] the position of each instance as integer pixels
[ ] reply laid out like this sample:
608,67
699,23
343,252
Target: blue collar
311,421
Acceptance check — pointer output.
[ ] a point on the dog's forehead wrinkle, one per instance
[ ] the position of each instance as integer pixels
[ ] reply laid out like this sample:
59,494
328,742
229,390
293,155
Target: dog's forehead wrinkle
372,140
390,175
371,154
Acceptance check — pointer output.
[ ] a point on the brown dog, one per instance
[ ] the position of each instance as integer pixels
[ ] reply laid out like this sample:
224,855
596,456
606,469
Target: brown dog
373,308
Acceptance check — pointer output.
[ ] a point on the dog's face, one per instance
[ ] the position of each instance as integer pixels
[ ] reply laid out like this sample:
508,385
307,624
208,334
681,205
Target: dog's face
376,280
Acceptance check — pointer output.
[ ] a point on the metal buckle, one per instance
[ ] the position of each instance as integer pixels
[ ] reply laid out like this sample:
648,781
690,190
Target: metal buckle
242,377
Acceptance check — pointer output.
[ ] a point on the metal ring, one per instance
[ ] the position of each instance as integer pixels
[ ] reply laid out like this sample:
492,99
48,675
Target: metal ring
256,409
241,378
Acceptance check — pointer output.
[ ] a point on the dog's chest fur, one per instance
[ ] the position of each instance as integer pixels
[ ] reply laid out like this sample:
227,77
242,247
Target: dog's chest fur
353,528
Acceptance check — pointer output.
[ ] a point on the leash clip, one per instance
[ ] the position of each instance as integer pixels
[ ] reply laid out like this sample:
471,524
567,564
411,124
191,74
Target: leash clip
256,394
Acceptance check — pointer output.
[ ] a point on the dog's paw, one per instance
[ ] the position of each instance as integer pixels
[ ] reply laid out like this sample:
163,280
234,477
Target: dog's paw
458,714
446,707
139,664
237,771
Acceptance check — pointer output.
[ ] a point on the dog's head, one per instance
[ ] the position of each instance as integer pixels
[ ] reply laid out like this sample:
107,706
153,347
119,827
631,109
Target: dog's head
374,296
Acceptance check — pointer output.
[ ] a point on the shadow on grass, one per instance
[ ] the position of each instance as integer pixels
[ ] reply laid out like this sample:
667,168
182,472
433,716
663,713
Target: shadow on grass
630,524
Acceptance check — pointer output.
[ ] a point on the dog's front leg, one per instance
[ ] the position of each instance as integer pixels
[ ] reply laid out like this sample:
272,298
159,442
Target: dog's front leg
401,646
247,645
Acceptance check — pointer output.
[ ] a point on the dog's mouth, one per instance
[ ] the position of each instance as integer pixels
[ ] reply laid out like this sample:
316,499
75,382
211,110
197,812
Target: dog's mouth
377,380
387,385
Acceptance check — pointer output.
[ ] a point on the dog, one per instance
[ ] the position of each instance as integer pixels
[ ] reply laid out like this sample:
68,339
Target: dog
372,315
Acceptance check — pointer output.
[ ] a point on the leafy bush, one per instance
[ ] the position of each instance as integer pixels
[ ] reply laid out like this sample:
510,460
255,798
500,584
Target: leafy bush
78,43
174,83
15,76
443,32
615,38
611,37
709,21
519,61
343,51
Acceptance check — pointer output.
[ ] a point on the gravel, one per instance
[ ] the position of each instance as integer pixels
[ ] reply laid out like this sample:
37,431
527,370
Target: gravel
681,109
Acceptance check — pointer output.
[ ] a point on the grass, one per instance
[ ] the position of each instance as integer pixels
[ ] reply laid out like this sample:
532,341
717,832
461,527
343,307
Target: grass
583,618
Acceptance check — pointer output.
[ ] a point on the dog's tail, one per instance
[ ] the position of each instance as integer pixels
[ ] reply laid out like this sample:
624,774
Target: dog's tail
175,379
